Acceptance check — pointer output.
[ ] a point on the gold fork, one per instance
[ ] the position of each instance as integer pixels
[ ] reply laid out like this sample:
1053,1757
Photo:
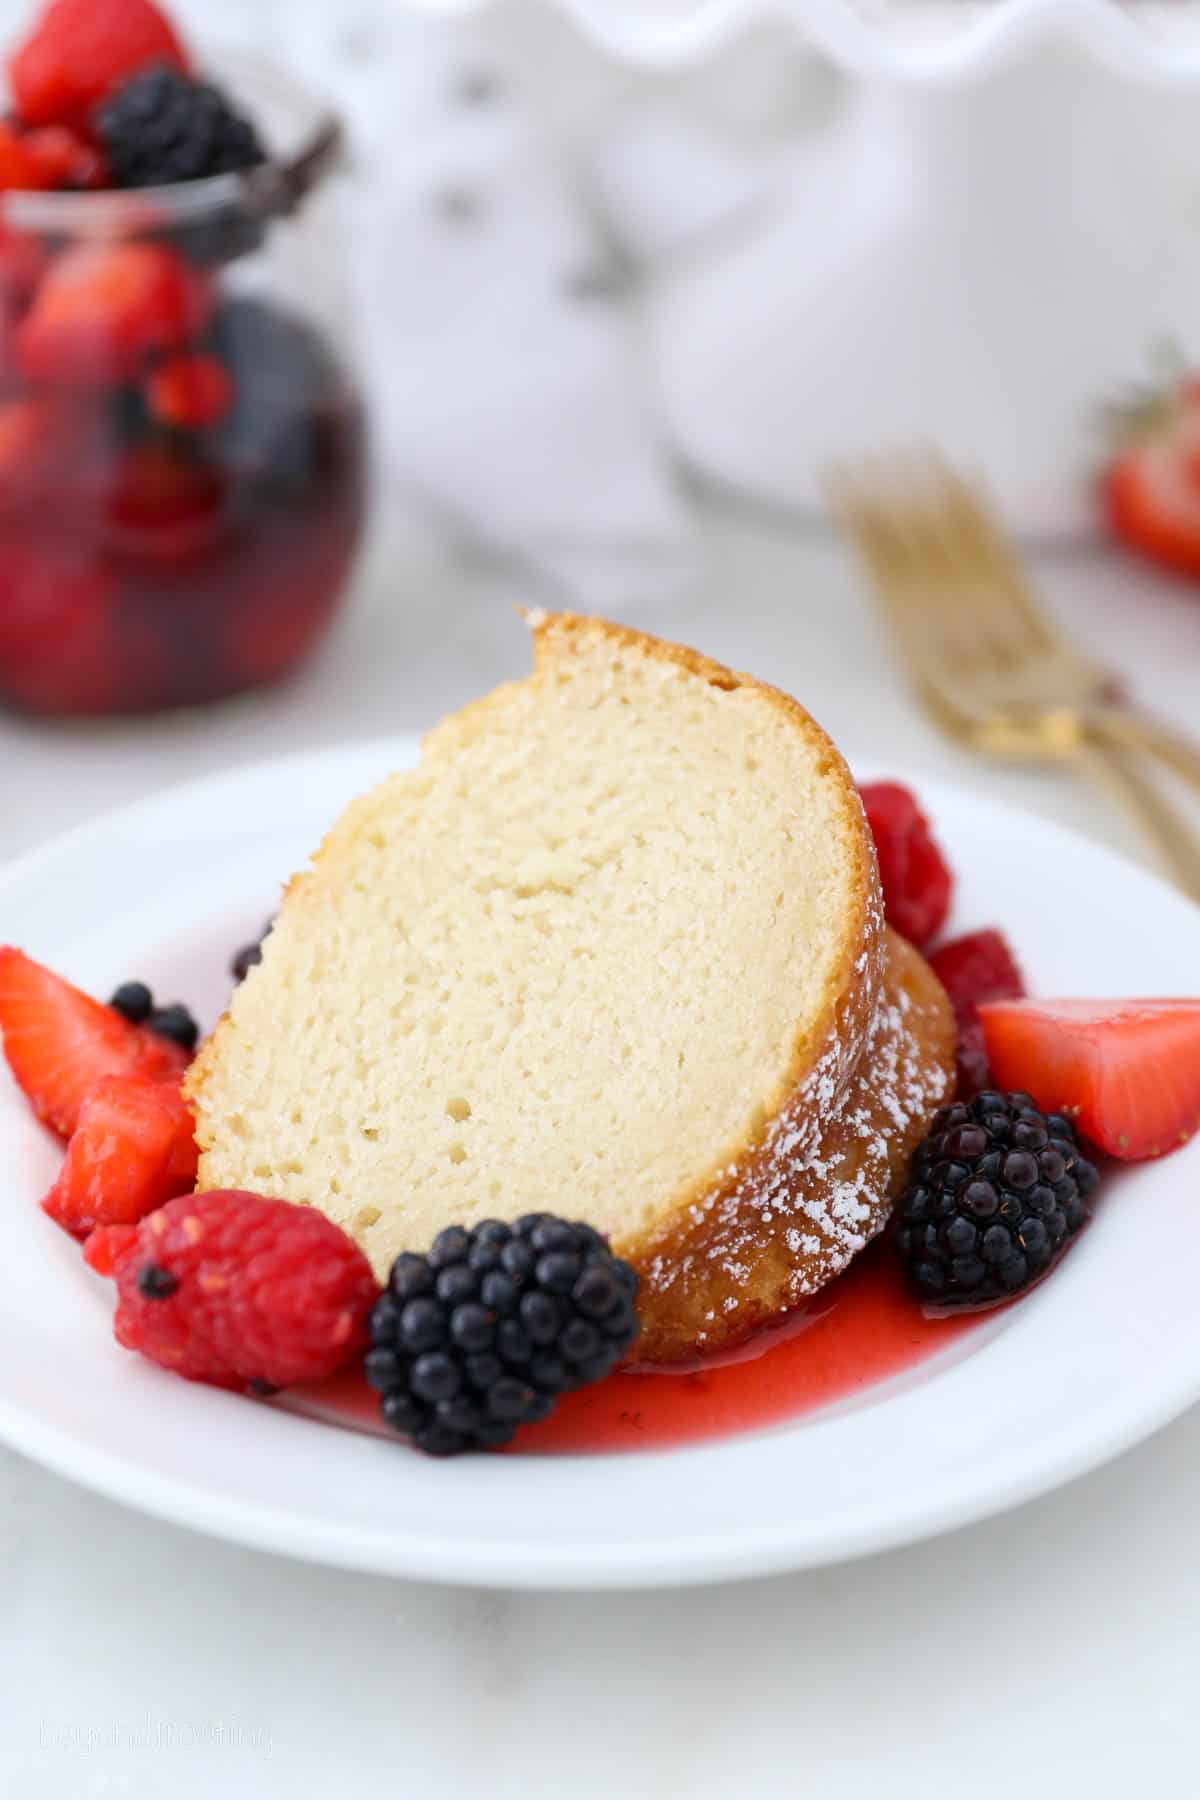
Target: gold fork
986,661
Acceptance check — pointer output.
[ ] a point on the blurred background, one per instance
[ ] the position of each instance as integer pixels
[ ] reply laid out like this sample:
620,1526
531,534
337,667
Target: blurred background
610,321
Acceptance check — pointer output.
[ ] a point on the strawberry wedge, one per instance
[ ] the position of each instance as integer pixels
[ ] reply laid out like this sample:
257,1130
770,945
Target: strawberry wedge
60,1043
133,1148
1127,1071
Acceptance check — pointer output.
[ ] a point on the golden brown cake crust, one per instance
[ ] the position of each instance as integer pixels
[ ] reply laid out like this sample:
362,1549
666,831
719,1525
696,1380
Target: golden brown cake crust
788,1217
775,1216
854,984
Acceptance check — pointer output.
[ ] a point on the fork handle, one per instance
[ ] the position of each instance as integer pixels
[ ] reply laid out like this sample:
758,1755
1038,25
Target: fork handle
1114,725
1116,768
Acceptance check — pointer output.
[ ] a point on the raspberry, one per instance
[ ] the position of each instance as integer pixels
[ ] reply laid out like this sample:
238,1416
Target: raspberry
103,309
916,879
973,969
64,159
234,1289
79,50
18,169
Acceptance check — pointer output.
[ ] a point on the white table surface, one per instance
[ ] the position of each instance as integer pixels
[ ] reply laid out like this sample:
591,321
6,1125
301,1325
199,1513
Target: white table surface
1059,1643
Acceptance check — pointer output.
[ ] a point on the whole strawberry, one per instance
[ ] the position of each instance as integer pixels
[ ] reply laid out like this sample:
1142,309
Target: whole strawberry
80,50
1150,491
238,1290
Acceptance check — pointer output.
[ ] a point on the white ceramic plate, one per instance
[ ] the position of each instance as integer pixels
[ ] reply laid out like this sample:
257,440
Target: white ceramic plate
1091,1362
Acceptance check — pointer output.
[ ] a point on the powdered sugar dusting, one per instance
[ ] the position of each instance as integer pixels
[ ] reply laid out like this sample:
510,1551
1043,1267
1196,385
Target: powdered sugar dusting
815,1191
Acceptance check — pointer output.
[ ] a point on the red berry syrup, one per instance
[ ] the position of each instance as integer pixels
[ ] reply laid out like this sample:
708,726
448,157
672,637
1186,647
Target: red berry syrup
862,1329
149,561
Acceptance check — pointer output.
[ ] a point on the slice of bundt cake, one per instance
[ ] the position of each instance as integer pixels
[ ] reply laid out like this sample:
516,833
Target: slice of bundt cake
615,950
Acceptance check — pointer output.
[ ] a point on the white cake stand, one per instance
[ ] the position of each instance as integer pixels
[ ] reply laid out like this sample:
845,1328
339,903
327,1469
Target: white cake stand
992,238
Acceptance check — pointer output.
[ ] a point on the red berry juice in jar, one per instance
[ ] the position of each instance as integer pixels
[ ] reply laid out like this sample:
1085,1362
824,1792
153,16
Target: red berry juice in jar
182,448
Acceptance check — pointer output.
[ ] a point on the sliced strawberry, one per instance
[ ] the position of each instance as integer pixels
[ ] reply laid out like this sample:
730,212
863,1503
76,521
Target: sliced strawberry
60,1043
63,159
133,1148
972,969
51,157
104,309
190,392
104,1247
18,168
80,50
1127,1071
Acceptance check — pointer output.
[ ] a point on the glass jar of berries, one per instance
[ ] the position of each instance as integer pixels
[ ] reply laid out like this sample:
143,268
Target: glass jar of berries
181,444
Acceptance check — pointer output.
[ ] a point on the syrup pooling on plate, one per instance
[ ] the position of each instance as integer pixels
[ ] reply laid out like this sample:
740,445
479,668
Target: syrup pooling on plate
861,1330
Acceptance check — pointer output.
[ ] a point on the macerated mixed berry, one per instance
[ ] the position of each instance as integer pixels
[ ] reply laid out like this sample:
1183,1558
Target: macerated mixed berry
998,1191
250,955
1127,1071
238,1289
162,126
915,876
135,1002
176,1023
482,1334
974,969
60,1043
182,458
133,1147
80,50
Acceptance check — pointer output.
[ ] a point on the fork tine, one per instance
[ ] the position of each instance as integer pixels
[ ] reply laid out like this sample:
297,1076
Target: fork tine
976,606
957,588
960,589
876,527
1010,607
893,517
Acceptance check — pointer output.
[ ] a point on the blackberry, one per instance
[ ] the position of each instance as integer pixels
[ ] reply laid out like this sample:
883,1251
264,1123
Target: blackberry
998,1191
287,432
161,126
485,1332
